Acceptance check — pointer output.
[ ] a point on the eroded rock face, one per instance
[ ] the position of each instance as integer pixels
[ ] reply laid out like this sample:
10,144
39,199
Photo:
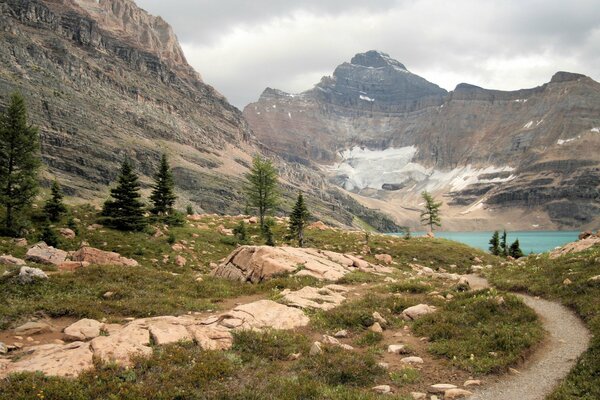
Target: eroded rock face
99,257
325,298
256,263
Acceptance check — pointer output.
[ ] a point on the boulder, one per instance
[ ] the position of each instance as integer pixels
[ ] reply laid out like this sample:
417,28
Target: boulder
11,261
414,312
44,254
166,330
29,275
20,242
95,256
576,247
268,314
384,258
33,328
132,339
378,318
66,360
67,233
212,337
382,389
257,263
585,235
316,349
376,327
396,348
82,330
341,334
180,261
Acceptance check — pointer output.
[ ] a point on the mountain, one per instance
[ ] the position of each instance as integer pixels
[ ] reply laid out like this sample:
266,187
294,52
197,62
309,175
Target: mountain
528,158
104,81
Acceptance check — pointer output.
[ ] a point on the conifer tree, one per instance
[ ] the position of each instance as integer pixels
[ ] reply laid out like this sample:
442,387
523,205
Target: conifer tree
430,216
261,187
19,163
55,207
298,220
504,244
495,244
124,210
48,235
163,196
515,250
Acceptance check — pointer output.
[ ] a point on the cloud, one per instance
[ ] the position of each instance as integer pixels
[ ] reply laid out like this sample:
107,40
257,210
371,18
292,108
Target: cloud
243,47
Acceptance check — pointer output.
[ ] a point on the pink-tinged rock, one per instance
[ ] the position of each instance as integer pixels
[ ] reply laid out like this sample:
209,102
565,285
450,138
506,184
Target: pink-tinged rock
12,261
44,254
82,330
100,257
133,339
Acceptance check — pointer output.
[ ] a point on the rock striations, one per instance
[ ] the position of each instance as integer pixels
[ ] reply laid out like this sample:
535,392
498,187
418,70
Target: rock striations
387,134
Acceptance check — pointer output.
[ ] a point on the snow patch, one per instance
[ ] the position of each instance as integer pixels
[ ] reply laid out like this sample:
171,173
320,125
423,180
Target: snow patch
528,125
560,142
366,98
274,105
290,115
362,168
595,130
520,100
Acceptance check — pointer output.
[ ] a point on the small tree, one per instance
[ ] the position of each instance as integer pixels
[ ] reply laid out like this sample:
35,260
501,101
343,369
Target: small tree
430,216
163,196
495,244
515,250
240,232
504,244
124,210
261,187
189,210
48,235
19,162
267,231
298,220
55,207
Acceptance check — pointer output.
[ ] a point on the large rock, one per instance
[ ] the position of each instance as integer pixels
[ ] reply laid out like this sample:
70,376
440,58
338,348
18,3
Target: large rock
99,257
324,298
29,275
133,339
44,254
85,329
10,260
256,263
33,328
576,247
414,312
268,314
67,360
166,330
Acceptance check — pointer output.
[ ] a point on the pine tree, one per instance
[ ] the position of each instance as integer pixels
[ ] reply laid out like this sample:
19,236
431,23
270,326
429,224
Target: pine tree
268,231
19,163
261,187
495,244
163,196
240,232
504,244
430,216
124,210
515,250
55,207
48,235
298,220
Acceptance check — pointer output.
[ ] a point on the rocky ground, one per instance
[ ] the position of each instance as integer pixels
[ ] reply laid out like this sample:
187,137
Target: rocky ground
420,321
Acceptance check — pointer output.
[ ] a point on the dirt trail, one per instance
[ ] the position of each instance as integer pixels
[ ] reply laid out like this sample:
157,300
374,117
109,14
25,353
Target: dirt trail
566,340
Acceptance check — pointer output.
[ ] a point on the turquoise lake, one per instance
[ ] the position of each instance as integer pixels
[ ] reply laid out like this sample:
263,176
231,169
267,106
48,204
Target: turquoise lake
530,241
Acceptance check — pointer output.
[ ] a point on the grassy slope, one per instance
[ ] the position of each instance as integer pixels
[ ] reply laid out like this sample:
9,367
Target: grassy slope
257,367
545,277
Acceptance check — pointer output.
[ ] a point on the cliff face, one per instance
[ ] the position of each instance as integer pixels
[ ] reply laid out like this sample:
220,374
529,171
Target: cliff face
386,134
104,81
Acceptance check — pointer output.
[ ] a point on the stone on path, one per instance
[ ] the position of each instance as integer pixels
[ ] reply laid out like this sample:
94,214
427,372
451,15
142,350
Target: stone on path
441,387
315,349
412,360
33,328
418,395
376,327
414,312
472,382
396,348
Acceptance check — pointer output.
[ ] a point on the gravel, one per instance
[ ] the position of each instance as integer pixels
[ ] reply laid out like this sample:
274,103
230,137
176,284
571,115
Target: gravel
567,338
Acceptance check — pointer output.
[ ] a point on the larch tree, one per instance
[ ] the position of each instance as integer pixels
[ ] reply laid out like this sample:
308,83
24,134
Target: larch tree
261,187
299,220
430,216
124,210
19,163
163,191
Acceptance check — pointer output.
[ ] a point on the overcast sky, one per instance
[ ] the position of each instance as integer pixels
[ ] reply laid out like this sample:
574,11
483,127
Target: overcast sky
243,46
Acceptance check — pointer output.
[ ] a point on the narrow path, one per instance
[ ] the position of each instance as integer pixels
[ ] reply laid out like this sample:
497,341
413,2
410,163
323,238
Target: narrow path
567,338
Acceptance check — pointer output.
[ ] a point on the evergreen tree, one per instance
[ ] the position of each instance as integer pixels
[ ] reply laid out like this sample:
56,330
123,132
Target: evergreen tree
163,196
55,207
240,232
48,235
430,216
124,210
189,210
495,244
261,187
298,220
515,250
504,244
19,163
268,231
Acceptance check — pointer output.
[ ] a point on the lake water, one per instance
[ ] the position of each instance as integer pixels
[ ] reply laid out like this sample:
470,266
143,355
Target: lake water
530,241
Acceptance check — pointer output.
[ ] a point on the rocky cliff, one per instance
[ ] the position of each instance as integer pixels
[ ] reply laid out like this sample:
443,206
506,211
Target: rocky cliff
386,134
104,80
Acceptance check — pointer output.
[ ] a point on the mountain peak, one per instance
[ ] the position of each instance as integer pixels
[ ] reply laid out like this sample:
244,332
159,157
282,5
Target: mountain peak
376,59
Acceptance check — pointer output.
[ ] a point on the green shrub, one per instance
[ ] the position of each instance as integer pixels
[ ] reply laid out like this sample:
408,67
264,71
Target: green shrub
269,344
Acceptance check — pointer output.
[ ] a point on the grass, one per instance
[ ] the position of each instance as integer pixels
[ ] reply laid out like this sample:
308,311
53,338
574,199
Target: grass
542,276
481,332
